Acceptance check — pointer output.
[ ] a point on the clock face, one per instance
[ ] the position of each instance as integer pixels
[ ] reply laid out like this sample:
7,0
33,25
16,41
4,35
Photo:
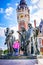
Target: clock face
21,15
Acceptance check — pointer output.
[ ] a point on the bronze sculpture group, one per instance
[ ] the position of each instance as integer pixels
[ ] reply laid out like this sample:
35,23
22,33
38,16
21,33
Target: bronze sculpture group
28,40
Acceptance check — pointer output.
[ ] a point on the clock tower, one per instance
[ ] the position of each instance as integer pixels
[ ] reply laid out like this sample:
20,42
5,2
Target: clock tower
23,15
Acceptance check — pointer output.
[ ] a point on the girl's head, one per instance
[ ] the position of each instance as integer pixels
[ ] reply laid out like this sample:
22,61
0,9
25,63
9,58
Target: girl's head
17,40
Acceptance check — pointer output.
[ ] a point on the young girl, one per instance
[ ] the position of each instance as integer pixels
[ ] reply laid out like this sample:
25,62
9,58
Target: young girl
16,47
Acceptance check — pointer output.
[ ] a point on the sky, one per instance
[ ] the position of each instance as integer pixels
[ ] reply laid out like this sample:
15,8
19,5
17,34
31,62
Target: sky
8,16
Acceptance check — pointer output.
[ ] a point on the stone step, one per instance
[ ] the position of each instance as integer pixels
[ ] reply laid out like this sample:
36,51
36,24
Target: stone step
18,57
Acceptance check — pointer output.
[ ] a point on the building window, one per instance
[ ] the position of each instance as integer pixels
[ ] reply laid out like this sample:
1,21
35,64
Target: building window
42,42
17,17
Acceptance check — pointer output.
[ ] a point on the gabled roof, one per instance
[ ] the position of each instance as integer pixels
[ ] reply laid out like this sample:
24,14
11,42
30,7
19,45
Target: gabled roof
41,23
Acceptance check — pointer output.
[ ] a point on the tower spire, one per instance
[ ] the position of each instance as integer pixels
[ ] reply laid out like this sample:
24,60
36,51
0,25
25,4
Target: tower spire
22,2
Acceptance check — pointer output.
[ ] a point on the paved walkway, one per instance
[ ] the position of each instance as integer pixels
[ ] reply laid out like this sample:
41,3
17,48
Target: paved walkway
40,62
22,62
18,62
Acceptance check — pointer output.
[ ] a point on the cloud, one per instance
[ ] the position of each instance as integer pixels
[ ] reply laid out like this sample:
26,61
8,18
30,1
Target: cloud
2,32
33,9
34,1
40,4
30,7
8,4
9,11
10,16
2,25
37,16
36,11
16,4
1,10
7,17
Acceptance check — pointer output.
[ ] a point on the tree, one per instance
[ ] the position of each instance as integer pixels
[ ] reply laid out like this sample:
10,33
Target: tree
6,51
